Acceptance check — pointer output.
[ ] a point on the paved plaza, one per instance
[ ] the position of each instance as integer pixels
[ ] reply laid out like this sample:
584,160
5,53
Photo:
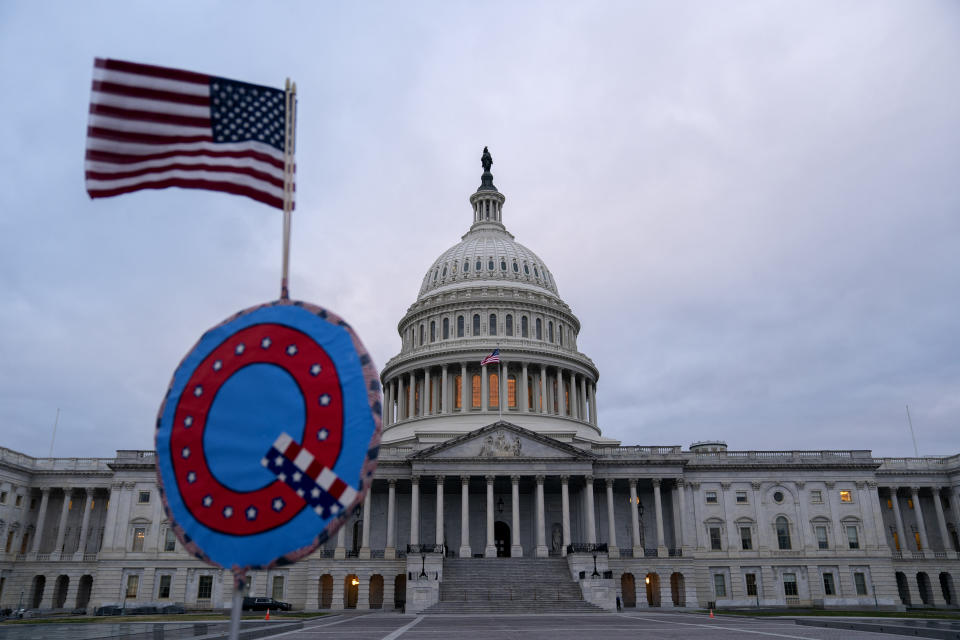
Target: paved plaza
645,626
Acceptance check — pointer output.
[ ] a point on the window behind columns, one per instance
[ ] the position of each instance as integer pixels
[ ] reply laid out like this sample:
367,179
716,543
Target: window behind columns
494,391
476,392
458,392
512,392
530,391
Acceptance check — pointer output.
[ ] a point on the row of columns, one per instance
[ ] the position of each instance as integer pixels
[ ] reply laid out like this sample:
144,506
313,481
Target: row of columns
436,396
914,492
516,550
39,527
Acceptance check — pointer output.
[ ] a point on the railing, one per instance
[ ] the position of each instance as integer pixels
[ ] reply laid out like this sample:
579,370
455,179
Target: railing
798,455
352,554
325,553
89,557
54,464
425,548
675,553
43,557
586,547
376,554
633,451
626,552
918,555
482,344
650,553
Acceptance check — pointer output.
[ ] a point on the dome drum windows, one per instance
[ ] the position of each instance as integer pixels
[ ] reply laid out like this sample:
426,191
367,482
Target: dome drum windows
446,328
503,264
433,331
516,268
490,266
466,266
508,329
476,324
460,326
550,330
493,324
523,327
479,265
539,329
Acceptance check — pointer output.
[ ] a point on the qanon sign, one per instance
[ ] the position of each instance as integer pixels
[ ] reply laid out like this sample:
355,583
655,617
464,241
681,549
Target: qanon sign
268,435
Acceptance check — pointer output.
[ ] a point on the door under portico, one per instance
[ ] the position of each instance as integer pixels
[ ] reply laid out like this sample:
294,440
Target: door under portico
501,538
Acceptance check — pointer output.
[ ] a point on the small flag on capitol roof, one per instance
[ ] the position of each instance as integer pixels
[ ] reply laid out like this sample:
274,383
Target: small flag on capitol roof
154,127
493,358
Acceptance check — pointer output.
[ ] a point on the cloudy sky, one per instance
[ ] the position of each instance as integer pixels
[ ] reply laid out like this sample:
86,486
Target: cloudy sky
752,207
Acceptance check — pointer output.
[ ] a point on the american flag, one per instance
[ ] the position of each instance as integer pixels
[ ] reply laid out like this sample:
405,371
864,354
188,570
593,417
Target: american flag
493,358
154,127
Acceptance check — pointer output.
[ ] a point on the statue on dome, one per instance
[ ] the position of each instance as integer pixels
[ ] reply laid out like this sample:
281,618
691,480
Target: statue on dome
486,160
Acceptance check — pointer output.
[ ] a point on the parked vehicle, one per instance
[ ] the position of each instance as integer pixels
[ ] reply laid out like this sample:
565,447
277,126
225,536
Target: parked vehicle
262,604
108,610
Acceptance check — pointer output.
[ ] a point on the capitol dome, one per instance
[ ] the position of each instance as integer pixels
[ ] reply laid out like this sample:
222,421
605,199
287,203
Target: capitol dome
488,292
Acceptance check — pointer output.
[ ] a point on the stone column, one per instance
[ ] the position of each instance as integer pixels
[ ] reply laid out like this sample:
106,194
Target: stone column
565,506
574,397
881,535
634,520
593,403
415,510
491,549
444,390
41,521
340,551
941,521
411,396
524,398
401,409
62,526
915,490
954,494
682,518
591,512
658,505
85,523
484,390
386,405
428,394
465,551
390,550
543,389
612,549
561,394
898,519
113,494
365,541
466,399
542,551
583,398
438,537
516,550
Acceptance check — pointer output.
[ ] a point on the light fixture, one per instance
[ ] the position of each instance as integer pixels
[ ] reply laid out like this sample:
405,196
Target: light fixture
647,579
355,582
500,505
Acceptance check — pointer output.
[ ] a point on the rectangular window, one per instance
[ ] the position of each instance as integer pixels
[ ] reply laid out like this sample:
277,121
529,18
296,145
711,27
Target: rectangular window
493,401
169,540
512,392
711,497
741,497
133,583
278,587
746,539
476,392
822,541
751,584
790,584
816,496
916,538
18,501
143,497
719,585
846,496
457,397
852,538
860,582
829,588
164,591
3,497
909,503
23,541
9,544
715,543
205,588
138,536
896,541
33,504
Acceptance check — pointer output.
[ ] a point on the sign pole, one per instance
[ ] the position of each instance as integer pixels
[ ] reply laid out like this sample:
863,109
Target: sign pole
289,167
239,583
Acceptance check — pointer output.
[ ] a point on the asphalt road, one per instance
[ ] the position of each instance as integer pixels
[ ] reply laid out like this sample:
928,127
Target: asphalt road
640,626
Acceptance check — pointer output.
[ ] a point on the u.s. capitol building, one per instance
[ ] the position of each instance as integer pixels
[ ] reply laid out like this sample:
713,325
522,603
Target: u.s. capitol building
496,490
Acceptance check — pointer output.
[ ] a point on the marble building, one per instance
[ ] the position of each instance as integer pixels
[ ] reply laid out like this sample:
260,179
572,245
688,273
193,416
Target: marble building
486,468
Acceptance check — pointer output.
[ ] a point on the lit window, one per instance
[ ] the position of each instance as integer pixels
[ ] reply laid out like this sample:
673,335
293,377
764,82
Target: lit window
783,534
458,398
816,496
829,588
512,392
164,591
493,399
138,536
860,581
716,544
916,538
205,587
790,584
852,538
746,538
822,540
889,503
845,496
719,585
909,503
711,497
169,540
133,582
751,579
476,392
741,497
896,541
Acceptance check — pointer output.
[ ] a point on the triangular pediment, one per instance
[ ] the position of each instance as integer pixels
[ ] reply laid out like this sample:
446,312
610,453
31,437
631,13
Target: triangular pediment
503,440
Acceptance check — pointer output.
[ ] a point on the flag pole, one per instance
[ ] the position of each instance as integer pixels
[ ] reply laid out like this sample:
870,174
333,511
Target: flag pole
290,124
499,384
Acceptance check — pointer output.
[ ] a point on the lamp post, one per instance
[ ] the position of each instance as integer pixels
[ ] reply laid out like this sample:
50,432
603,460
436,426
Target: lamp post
423,566
595,574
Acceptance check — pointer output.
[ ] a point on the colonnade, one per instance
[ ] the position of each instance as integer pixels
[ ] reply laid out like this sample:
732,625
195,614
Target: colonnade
541,549
37,533
921,540
522,387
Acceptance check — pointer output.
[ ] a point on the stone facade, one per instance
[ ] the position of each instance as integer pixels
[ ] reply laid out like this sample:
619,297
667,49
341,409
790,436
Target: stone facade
508,459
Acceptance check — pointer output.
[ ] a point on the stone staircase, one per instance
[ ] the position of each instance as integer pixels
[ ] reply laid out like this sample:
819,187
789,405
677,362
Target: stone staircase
509,585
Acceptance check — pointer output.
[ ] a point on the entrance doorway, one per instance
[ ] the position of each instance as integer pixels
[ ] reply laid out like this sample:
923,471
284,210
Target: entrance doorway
501,538
653,589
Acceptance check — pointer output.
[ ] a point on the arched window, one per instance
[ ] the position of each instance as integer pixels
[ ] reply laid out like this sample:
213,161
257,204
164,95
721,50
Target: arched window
443,274
476,392
535,272
476,324
479,265
493,324
446,328
516,267
503,264
490,264
783,533
493,399
509,327
459,326
466,266
560,333
550,330
421,335
523,327
539,329
526,268
433,331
